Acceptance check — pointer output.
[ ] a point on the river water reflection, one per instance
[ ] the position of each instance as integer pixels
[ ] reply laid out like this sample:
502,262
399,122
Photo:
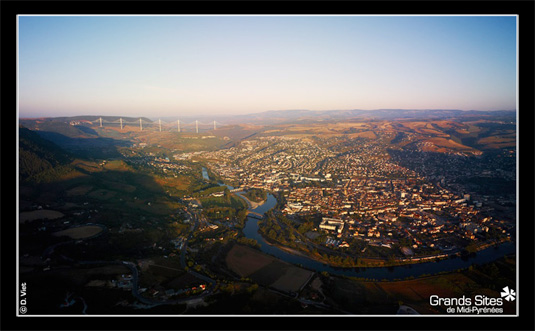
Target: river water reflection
418,269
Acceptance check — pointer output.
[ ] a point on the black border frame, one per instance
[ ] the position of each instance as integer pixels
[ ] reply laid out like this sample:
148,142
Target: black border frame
525,11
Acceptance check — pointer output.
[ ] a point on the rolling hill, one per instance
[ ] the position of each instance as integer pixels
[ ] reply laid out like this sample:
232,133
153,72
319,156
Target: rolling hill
39,157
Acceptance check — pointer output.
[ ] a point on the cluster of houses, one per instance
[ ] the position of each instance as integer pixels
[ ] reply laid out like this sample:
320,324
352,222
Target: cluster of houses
161,163
360,186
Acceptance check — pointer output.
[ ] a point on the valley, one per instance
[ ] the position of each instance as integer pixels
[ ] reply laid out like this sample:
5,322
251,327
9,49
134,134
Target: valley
359,193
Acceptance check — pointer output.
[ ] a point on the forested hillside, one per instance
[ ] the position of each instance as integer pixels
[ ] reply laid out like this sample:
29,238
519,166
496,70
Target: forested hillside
40,159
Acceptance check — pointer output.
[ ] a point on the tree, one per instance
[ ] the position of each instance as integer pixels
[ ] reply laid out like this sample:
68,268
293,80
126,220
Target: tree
291,236
251,289
348,261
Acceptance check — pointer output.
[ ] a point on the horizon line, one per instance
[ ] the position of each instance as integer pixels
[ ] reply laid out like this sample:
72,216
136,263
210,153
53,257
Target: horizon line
284,110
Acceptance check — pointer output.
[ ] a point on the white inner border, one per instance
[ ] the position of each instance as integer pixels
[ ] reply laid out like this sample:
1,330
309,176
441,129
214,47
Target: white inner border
257,15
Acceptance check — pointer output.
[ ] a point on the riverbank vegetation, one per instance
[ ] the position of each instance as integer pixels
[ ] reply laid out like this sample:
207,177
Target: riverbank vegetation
300,236
256,195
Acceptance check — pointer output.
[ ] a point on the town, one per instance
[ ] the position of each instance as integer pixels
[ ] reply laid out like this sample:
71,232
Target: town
363,195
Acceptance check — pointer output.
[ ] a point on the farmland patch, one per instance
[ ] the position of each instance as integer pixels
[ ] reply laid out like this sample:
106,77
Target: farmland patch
266,270
80,232
39,214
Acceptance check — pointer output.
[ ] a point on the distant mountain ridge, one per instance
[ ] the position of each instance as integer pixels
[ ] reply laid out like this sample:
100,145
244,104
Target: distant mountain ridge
281,116
292,115
92,118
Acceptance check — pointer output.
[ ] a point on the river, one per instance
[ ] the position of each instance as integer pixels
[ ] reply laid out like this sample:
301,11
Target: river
390,273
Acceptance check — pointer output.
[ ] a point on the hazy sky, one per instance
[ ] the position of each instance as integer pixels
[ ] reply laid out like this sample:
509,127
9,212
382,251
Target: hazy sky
182,65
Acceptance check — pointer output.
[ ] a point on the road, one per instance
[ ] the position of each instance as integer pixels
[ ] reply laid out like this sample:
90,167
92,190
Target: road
155,302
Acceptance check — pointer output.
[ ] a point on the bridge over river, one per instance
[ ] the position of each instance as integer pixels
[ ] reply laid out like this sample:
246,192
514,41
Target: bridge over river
255,215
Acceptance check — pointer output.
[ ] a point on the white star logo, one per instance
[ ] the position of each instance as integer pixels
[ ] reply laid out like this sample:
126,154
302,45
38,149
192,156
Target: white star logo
508,294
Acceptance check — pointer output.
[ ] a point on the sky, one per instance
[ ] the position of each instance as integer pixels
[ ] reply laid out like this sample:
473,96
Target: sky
186,65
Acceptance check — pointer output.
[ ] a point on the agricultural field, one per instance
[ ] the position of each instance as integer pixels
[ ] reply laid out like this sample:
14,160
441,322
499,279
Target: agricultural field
79,190
29,216
161,274
232,201
244,260
266,270
507,140
443,145
80,232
